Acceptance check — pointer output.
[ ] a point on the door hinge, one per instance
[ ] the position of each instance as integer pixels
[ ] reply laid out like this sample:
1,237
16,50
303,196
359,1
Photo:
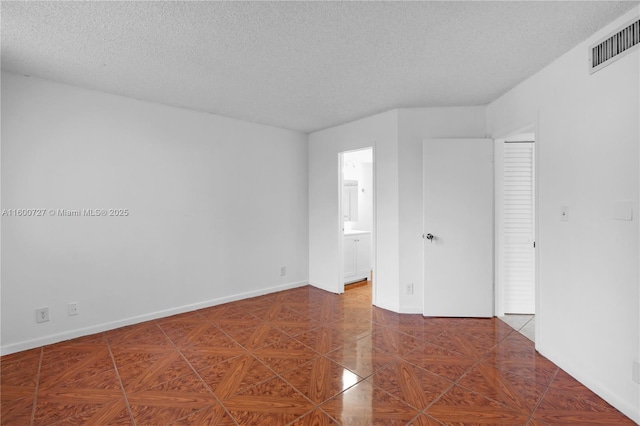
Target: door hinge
534,244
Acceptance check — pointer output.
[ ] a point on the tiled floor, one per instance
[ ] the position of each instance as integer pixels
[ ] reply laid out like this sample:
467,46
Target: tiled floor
302,356
523,324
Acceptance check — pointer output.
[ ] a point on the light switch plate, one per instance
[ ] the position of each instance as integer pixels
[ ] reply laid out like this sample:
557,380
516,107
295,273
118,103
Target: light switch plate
564,213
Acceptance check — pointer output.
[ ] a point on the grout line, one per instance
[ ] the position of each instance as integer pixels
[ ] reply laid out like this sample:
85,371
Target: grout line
373,385
198,374
319,407
457,383
328,415
414,418
519,330
543,395
115,367
35,395
525,324
424,410
315,407
287,382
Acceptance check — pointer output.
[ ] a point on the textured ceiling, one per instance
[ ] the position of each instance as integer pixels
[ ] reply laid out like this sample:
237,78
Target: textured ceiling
298,65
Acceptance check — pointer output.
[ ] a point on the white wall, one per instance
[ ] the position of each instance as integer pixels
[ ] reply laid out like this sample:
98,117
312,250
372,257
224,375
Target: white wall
397,136
415,125
216,206
365,198
379,131
588,158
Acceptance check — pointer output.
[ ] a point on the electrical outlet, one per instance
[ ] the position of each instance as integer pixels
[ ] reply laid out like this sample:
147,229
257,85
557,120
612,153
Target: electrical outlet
283,271
635,372
42,315
73,308
409,288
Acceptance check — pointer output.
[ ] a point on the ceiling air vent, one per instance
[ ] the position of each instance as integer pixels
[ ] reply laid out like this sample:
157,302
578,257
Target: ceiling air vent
614,46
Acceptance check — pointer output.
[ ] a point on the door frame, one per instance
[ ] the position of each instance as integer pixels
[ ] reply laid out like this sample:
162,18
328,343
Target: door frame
340,217
499,138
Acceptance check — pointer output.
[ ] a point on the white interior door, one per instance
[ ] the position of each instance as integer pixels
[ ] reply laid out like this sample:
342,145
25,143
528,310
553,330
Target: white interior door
458,212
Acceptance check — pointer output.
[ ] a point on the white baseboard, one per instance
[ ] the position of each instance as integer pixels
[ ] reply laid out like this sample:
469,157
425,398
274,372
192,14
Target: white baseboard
384,305
627,407
321,287
411,309
86,331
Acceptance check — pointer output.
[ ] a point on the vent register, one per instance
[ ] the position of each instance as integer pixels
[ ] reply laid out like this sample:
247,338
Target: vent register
615,46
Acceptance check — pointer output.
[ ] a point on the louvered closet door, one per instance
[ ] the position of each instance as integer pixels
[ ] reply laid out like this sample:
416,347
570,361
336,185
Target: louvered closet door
519,252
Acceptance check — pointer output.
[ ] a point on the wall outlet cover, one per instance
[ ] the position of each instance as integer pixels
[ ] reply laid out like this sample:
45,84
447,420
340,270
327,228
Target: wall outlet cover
42,315
73,308
635,374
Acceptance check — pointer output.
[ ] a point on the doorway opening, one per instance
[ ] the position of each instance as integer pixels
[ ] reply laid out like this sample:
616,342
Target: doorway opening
357,218
516,231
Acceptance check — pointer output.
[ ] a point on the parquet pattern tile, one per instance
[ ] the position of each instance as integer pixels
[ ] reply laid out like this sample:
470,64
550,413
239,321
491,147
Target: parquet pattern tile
362,357
321,379
514,391
18,379
297,357
235,375
367,404
171,400
212,415
315,418
412,384
461,406
274,402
